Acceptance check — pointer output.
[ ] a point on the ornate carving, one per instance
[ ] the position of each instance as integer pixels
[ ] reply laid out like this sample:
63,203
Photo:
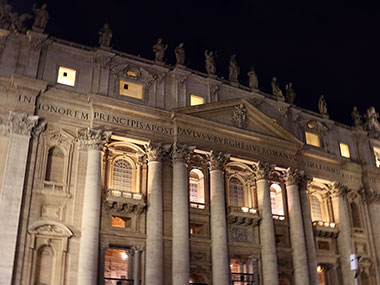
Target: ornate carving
180,78
138,248
276,90
253,81
370,196
292,176
91,139
217,160
155,152
41,17
240,234
372,125
10,20
289,93
262,170
198,255
214,92
180,152
338,190
19,123
356,117
317,126
159,50
37,130
239,116
322,106
180,54
210,62
105,36
234,69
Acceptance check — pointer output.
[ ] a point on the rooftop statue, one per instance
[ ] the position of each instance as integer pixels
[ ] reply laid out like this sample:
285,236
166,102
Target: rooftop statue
180,54
356,116
233,69
210,62
372,125
10,20
289,93
159,50
105,36
253,81
322,106
276,88
41,18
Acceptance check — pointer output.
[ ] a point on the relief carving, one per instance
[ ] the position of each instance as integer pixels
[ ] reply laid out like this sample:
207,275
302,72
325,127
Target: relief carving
240,234
239,116
180,152
217,160
91,139
155,152
21,123
262,170
338,190
292,176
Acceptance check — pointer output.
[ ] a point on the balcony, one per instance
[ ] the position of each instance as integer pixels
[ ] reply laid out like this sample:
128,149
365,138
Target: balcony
243,216
124,201
196,205
325,229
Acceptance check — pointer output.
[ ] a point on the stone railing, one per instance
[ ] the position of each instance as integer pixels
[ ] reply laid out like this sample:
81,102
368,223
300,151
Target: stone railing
243,215
325,229
124,201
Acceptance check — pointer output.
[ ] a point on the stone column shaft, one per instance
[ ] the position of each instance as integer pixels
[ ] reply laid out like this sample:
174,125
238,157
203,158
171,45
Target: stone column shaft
267,234
136,270
297,238
19,127
91,140
154,228
219,252
181,243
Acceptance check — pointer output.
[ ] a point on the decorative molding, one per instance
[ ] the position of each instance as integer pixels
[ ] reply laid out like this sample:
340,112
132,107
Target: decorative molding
262,170
155,152
91,139
239,116
18,123
338,190
370,196
180,152
217,160
292,176
241,234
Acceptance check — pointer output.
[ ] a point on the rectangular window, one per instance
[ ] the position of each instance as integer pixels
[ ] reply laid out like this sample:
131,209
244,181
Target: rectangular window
196,100
376,152
312,139
66,76
131,89
344,150
120,222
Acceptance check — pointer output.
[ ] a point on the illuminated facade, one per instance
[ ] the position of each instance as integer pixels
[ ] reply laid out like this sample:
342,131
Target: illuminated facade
118,168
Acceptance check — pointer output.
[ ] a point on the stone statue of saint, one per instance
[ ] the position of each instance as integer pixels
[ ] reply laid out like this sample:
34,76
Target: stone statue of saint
233,69
210,62
290,94
253,81
372,125
356,116
105,36
276,88
41,17
322,106
180,54
159,50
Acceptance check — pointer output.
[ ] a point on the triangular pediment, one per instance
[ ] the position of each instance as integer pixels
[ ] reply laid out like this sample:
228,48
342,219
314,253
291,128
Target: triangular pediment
241,115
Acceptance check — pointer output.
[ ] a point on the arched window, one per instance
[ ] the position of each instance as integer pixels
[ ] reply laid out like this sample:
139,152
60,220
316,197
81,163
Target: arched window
122,175
196,188
356,217
276,200
55,165
236,192
315,205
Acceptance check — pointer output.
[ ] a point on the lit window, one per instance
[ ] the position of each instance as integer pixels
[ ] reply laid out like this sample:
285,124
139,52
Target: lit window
131,89
196,189
130,73
66,76
196,100
118,222
276,200
316,213
236,192
312,139
376,151
116,264
344,150
122,175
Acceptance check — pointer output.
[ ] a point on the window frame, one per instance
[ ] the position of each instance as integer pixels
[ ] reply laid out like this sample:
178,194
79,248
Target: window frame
75,76
244,189
133,168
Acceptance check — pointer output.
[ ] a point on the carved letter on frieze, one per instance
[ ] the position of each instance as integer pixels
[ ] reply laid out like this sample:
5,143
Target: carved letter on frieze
217,160
180,152
262,170
292,176
155,152
91,139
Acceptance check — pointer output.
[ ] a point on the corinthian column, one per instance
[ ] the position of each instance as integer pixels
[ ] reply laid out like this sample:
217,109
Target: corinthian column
297,238
91,141
267,237
219,251
309,233
181,243
17,127
338,192
154,222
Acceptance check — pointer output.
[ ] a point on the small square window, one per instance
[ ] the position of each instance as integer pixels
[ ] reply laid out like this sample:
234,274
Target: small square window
344,150
376,152
131,89
312,139
196,100
120,222
66,76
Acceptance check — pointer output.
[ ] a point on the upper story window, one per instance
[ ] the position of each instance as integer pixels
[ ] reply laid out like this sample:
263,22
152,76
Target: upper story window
122,175
66,76
376,152
315,208
55,165
236,192
344,150
196,100
356,216
196,189
276,200
130,89
312,139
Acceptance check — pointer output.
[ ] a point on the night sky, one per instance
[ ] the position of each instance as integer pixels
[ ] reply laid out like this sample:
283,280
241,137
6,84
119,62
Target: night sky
323,47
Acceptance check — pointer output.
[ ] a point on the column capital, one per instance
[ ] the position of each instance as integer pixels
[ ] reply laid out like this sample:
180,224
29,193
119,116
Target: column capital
104,245
262,170
179,152
338,190
217,160
155,151
18,123
138,248
292,176
370,196
91,139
